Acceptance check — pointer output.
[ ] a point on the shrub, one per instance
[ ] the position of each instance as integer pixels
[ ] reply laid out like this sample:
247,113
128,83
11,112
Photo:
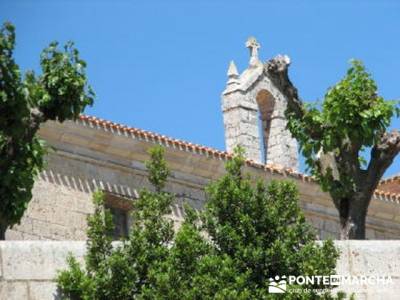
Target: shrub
247,233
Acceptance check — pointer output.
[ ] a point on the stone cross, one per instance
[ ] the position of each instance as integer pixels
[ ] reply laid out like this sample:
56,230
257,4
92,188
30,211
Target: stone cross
253,46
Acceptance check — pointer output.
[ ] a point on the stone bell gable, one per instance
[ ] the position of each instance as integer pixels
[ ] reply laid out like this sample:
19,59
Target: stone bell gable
254,115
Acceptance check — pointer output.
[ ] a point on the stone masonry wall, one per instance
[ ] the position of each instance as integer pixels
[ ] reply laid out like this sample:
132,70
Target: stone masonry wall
28,268
62,201
84,160
62,197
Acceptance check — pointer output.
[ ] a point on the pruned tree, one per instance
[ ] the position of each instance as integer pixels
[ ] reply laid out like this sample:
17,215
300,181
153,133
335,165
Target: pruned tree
352,120
60,93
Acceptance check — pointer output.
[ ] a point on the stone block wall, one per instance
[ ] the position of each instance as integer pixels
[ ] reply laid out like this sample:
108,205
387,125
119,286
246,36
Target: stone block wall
370,258
62,201
28,268
86,159
56,212
62,198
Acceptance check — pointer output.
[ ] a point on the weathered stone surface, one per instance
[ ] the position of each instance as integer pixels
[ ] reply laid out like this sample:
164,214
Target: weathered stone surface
29,260
32,270
374,257
370,258
253,111
14,290
43,291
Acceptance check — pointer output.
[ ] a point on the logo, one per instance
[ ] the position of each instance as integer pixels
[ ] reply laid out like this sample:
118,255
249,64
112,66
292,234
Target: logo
282,284
277,285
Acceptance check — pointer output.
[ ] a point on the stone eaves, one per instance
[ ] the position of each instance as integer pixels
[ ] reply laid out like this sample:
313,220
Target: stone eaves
152,137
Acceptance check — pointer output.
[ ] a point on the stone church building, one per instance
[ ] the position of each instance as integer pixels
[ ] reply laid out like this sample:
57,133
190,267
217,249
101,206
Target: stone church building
93,154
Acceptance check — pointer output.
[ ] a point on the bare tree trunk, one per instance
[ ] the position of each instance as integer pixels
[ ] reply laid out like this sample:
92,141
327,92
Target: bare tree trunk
352,213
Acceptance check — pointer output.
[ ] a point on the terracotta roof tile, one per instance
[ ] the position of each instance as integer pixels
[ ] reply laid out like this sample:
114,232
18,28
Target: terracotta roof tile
187,146
391,184
395,178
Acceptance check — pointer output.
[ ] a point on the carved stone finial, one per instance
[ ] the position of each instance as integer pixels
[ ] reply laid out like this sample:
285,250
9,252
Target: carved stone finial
232,70
233,74
253,46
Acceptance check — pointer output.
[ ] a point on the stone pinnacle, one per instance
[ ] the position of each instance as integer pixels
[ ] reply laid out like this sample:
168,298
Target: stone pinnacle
232,70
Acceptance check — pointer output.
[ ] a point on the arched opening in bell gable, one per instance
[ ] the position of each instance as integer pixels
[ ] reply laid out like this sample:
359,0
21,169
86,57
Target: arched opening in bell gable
266,104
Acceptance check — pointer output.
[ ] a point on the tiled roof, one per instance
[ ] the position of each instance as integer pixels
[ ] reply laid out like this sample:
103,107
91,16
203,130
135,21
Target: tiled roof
214,153
395,179
391,184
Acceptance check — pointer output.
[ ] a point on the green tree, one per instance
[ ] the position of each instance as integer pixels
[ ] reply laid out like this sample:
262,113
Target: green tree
59,93
352,120
124,272
246,234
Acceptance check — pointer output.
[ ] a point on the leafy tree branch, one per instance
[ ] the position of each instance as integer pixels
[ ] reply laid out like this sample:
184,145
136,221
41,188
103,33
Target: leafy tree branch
333,138
59,93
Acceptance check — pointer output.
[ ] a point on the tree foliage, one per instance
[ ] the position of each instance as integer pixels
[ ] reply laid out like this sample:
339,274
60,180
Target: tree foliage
335,137
352,118
246,234
59,93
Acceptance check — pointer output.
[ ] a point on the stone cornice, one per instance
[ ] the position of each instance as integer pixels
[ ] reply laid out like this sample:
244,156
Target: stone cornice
126,144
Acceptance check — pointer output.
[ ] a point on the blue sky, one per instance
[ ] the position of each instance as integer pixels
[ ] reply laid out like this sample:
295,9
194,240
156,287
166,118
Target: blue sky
161,65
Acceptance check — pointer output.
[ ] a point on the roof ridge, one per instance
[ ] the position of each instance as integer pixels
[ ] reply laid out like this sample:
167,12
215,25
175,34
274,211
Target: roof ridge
201,149
136,130
390,179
